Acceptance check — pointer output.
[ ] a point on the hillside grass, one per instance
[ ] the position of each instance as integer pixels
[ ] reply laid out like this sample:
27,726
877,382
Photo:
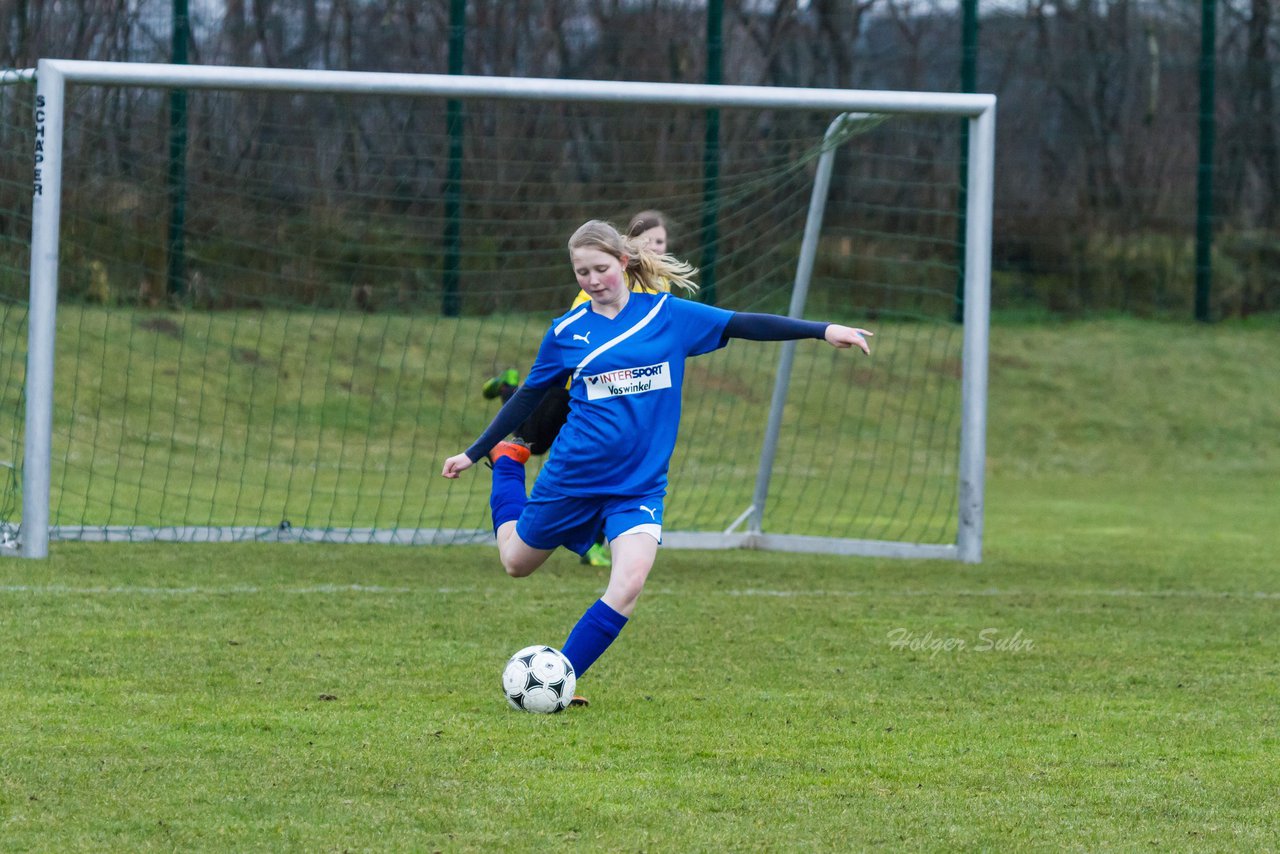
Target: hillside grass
335,420
1120,395
338,420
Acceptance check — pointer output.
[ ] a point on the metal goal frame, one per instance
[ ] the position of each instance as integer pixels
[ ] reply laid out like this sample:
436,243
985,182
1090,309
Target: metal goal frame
53,75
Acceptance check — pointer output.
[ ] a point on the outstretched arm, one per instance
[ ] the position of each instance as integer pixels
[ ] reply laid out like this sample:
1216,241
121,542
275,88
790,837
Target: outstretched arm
775,327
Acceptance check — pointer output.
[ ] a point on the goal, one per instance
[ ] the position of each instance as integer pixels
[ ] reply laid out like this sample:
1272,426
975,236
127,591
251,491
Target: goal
259,304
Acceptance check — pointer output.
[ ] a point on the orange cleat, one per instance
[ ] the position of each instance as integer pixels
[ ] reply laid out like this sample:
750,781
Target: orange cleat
516,450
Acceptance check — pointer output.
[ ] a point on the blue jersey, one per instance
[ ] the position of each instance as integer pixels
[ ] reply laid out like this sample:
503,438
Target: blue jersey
625,378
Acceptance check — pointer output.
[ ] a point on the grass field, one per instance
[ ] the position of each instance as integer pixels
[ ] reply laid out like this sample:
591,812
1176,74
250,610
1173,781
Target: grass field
1106,678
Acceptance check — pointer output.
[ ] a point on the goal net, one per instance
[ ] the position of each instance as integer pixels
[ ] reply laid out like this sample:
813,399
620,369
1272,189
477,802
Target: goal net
277,295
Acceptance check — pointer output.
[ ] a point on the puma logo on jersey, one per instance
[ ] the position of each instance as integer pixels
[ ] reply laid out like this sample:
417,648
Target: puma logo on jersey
585,339
651,511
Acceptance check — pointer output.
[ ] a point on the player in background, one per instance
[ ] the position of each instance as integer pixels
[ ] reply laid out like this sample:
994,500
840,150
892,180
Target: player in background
542,426
623,354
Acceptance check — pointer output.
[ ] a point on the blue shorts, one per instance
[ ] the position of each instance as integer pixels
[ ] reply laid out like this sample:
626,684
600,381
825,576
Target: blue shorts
574,522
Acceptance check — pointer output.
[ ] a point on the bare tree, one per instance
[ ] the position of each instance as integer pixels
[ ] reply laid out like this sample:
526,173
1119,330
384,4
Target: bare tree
771,33
840,24
1260,113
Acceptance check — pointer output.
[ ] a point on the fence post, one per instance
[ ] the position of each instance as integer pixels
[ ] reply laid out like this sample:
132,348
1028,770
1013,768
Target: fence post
968,83
710,231
454,115
176,276
1204,172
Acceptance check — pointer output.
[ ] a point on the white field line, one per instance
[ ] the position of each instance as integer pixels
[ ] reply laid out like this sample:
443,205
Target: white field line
380,590
996,593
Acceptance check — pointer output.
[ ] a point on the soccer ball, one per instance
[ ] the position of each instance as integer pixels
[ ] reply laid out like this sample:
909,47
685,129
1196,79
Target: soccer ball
538,679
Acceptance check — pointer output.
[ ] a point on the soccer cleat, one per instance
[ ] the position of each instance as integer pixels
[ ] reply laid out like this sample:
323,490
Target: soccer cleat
493,386
579,700
517,451
597,555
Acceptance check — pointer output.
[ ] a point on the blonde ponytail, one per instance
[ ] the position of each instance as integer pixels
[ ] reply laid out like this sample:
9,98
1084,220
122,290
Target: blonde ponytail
651,271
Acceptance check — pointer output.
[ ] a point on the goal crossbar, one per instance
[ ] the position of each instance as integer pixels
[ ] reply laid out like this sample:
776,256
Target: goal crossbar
159,76
53,75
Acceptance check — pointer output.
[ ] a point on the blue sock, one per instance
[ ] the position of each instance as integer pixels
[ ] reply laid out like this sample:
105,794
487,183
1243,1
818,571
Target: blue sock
592,635
507,497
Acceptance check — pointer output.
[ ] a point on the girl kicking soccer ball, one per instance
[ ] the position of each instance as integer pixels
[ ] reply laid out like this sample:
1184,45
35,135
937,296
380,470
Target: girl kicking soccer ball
540,429
622,354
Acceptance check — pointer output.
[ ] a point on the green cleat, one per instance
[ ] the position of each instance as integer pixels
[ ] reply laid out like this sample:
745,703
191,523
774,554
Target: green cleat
597,555
493,386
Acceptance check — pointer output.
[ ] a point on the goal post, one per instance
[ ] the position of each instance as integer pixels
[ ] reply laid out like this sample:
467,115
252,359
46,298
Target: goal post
960,464
968,545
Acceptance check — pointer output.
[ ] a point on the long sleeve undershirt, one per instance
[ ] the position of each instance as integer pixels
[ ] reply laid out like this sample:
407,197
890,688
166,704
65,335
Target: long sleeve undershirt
772,327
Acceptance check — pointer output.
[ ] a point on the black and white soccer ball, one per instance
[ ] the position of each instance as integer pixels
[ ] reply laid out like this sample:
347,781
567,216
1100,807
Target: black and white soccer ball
539,679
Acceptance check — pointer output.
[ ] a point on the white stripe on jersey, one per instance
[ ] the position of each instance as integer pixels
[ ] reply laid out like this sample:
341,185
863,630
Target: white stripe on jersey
623,337
570,319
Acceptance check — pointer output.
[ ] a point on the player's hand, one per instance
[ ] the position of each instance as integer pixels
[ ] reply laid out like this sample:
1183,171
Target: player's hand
456,465
843,337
